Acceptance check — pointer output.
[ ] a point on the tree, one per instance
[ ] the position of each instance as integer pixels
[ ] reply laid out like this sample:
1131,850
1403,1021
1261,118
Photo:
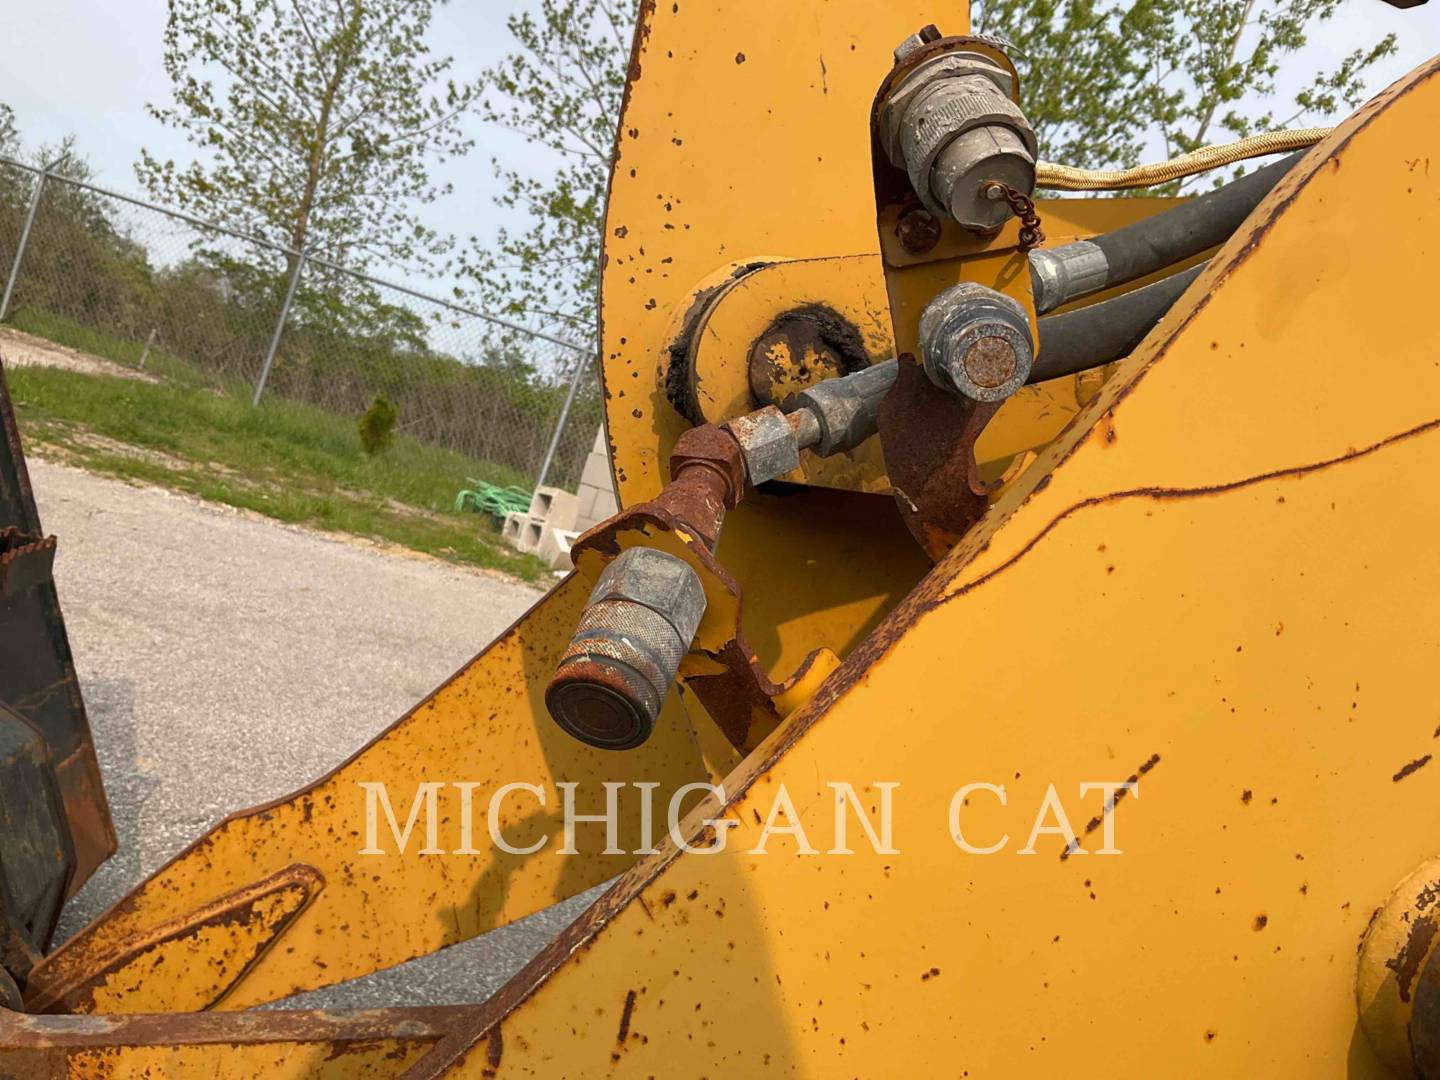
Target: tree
561,90
62,157
320,120
9,132
1106,83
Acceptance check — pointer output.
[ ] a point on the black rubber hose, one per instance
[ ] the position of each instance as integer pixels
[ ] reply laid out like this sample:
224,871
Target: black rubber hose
1109,330
1188,229
1074,270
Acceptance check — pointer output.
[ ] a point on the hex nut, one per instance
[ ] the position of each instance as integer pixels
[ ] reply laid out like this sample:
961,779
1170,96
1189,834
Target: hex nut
918,40
767,442
946,65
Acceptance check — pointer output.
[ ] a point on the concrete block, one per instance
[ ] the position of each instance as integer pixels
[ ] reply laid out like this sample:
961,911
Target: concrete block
534,535
555,546
513,531
597,471
606,504
554,507
596,504
585,515
600,447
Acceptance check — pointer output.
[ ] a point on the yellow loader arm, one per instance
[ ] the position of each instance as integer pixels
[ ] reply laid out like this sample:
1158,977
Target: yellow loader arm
1132,659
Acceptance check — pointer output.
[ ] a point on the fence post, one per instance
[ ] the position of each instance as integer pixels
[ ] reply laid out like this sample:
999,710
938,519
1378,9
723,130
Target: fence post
581,366
279,328
145,352
24,239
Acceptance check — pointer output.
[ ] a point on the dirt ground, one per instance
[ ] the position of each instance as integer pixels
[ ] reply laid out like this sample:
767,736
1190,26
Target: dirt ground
25,350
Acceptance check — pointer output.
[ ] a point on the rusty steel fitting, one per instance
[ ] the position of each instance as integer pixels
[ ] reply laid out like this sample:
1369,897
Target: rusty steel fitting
707,478
768,443
976,342
637,626
831,417
952,124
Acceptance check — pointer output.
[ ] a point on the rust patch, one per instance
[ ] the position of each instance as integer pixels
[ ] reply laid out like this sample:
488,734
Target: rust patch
625,1018
1407,964
495,1048
802,347
709,479
741,699
1114,801
346,1031
1411,769
929,442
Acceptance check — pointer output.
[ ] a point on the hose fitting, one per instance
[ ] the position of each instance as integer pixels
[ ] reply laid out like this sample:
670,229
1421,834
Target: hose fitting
832,417
952,124
637,626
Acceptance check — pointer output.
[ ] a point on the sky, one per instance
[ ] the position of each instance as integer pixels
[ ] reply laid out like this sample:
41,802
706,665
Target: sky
112,67
87,68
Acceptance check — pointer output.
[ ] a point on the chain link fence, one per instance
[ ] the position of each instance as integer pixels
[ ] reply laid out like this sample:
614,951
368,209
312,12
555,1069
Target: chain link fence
189,300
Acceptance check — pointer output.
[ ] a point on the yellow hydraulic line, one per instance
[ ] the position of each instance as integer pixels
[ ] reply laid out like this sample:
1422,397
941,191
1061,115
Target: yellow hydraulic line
1068,178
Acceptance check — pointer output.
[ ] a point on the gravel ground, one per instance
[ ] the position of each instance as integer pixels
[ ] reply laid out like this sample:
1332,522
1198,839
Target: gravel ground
227,659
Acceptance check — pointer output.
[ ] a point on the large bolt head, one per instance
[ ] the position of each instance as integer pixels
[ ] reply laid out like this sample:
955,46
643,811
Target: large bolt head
976,342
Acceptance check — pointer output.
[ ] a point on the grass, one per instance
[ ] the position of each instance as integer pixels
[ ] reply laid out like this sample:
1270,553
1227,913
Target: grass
291,462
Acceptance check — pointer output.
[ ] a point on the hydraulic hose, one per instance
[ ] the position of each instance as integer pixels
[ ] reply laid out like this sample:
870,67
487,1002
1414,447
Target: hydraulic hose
1095,335
1068,178
1074,270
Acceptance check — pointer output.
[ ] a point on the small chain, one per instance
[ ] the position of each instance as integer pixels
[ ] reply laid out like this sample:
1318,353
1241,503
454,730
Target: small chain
1031,235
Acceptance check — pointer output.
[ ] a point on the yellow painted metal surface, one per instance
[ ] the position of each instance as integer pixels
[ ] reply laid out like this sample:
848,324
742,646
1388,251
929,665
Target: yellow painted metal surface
487,726
1218,582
